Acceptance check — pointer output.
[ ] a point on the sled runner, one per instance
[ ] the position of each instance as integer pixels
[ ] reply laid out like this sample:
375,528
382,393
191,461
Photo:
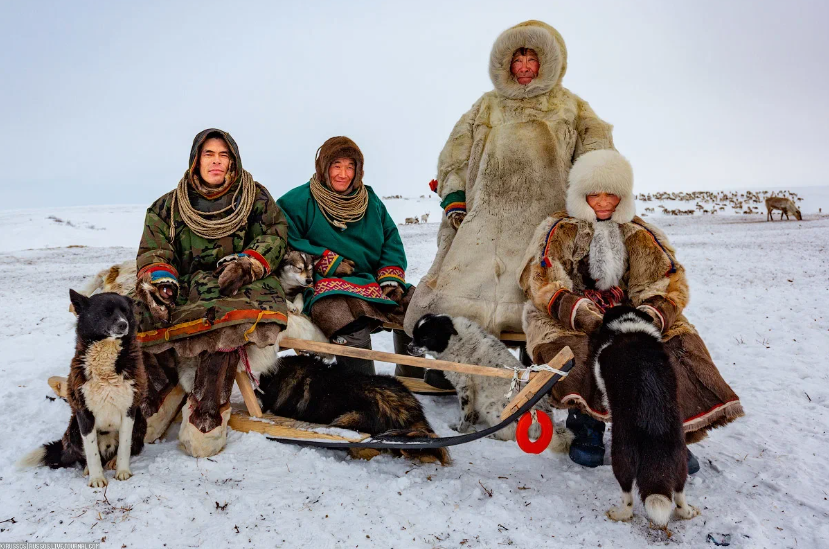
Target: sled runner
541,380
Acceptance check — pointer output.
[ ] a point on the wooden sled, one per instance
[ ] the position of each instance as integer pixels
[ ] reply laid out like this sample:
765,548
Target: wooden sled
252,419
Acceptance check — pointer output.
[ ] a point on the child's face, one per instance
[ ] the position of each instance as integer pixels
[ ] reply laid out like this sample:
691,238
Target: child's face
603,204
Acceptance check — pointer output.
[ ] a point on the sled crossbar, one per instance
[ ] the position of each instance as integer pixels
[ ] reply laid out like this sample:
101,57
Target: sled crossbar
369,354
512,337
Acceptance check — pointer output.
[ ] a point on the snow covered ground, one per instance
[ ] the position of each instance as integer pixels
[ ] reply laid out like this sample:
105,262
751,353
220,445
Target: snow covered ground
760,292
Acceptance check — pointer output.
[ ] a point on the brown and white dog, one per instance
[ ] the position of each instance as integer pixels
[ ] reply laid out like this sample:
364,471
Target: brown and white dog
106,385
295,273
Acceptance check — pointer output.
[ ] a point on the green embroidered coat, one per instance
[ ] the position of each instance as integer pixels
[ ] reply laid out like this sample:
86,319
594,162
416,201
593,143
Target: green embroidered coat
372,243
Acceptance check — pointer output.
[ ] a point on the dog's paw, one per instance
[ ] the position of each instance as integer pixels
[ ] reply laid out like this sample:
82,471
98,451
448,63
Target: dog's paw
97,482
293,308
123,474
687,512
623,513
110,465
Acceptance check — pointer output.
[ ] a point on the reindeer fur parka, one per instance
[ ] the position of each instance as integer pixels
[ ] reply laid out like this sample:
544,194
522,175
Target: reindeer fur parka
506,164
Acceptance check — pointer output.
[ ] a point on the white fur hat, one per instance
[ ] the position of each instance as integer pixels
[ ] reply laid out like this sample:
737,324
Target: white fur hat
604,171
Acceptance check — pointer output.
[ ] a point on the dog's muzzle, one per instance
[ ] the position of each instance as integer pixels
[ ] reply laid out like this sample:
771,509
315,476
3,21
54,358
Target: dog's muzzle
414,350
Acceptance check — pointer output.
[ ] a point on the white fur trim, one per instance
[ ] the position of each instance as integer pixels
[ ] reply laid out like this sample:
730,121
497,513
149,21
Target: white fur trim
575,310
543,40
602,171
608,256
661,318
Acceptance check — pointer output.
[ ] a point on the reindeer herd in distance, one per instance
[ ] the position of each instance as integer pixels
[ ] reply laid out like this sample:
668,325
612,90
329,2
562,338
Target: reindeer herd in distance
740,203
706,202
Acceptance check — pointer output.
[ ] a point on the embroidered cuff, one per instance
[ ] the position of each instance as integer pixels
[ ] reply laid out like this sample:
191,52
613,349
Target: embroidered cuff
575,310
454,202
388,275
160,273
553,300
328,263
253,254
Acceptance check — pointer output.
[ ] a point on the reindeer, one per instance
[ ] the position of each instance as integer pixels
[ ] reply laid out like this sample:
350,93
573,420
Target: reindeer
412,221
785,205
424,218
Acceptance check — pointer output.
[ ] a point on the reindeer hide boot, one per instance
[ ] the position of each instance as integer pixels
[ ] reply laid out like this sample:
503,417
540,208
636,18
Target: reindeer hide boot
164,395
206,414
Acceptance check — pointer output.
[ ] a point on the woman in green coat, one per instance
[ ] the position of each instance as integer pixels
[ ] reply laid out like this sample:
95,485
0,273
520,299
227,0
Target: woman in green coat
204,286
360,263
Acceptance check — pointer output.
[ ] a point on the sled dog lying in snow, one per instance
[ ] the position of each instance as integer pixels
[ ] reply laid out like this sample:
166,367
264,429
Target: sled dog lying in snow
639,385
106,384
482,399
307,389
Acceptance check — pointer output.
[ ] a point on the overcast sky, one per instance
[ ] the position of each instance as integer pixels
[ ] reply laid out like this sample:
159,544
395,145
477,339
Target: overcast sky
99,101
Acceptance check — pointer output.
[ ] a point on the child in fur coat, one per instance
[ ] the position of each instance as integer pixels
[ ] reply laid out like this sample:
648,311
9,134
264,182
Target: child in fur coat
594,256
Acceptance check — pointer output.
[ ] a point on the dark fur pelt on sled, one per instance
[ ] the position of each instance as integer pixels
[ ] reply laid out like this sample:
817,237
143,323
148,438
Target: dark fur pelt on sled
307,389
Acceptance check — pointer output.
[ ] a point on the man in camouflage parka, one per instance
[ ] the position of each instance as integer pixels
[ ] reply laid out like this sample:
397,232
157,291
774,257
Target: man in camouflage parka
205,297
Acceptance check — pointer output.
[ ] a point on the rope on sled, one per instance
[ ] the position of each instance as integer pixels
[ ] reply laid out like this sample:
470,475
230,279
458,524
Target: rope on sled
240,205
525,375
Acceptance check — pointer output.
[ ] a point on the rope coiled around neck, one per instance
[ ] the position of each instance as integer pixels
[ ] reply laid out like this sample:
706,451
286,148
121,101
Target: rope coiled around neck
337,208
200,222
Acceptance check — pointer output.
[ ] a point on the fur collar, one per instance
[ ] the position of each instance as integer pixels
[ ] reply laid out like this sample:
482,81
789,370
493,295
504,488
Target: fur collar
608,257
552,53
601,171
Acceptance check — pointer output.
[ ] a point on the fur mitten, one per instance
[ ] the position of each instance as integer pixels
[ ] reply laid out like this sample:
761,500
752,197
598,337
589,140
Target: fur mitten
235,271
456,218
393,291
345,268
576,312
160,298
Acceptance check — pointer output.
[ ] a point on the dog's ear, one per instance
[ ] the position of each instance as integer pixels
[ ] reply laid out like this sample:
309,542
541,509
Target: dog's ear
79,301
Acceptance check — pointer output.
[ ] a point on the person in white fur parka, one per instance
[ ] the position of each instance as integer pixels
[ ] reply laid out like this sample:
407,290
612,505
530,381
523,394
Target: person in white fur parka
502,171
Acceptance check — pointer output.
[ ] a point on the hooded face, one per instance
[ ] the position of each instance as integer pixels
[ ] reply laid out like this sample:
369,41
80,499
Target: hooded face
214,151
338,160
341,174
532,77
524,66
604,204
600,186
214,162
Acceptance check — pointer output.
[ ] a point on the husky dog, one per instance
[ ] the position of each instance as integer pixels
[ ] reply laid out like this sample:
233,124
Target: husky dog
106,384
295,273
482,399
634,373
307,389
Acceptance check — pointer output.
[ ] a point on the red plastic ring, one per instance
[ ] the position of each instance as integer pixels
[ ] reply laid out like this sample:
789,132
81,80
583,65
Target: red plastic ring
522,432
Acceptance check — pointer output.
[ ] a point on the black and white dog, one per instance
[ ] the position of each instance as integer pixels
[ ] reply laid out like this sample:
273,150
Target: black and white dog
106,385
639,385
482,399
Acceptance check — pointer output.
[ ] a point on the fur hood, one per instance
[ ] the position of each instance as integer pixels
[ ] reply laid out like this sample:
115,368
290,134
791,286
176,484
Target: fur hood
552,53
331,150
601,171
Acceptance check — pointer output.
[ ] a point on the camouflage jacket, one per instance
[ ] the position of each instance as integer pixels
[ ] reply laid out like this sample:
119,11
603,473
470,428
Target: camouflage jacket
191,260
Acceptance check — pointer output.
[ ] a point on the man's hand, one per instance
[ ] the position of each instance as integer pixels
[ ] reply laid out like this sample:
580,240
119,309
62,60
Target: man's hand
393,292
456,218
345,268
159,298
